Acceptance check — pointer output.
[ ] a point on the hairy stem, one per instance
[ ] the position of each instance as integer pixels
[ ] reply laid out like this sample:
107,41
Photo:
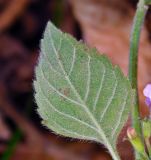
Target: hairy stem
133,59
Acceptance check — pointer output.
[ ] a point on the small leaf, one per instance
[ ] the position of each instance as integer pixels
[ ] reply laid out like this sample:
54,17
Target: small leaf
79,93
148,2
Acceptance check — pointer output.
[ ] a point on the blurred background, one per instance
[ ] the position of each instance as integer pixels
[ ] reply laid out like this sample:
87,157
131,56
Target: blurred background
104,24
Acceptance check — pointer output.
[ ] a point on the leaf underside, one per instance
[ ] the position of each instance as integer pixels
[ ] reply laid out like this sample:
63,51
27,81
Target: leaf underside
79,93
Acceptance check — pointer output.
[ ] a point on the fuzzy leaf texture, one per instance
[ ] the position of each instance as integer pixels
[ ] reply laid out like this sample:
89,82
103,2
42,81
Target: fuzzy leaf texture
79,93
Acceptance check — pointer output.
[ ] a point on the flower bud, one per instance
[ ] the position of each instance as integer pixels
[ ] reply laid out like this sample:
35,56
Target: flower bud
131,133
135,141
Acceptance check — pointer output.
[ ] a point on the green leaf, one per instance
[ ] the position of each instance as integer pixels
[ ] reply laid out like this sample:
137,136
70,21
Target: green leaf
148,2
79,93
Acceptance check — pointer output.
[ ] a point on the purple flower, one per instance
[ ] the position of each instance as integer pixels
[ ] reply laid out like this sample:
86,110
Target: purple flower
147,94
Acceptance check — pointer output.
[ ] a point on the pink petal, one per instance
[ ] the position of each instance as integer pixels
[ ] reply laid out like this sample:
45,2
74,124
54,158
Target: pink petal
147,91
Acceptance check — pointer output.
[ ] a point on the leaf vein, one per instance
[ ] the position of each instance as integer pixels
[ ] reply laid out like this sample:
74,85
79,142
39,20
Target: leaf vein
50,65
110,100
88,80
73,61
120,116
99,90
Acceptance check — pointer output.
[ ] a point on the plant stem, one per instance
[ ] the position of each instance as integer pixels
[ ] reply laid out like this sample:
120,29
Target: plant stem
133,60
148,146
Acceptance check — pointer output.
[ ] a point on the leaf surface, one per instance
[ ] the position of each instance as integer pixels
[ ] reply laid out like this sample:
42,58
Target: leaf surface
79,93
